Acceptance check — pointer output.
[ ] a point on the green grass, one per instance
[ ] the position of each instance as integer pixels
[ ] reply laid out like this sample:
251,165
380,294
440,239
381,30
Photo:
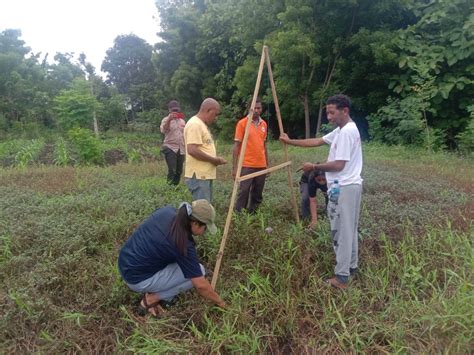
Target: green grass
61,229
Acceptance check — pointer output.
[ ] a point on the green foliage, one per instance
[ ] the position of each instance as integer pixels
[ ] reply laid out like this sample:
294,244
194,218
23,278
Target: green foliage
29,153
87,145
466,137
399,122
75,106
129,68
69,223
440,45
61,152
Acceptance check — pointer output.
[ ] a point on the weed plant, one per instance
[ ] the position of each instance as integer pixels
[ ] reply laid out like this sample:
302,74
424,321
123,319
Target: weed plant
29,152
61,153
61,229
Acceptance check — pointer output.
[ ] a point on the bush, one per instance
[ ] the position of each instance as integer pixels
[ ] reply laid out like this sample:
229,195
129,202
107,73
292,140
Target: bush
399,122
466,137
88,146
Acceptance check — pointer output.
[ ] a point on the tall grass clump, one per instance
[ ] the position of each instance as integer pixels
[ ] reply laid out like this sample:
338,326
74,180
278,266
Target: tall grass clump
29,152
61,153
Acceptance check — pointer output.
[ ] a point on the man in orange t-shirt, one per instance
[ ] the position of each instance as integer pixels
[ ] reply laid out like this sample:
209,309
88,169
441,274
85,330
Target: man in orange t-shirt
255,159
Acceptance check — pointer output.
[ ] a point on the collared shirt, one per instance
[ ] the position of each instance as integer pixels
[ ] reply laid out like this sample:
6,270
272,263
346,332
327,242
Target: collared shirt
255,156
174,136
197,132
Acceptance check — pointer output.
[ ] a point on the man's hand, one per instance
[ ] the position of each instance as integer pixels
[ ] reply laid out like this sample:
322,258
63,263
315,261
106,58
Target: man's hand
308,167
220,161
284,138
234,172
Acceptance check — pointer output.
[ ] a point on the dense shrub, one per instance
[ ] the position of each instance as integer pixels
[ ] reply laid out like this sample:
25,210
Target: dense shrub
87,145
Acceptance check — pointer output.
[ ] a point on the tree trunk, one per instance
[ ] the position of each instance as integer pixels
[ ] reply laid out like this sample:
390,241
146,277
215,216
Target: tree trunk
307,126
320,115
96,125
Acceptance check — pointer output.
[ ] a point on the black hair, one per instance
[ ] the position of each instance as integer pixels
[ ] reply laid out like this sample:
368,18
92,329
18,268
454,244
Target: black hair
173,106
249,104
181,229
340,100
316,173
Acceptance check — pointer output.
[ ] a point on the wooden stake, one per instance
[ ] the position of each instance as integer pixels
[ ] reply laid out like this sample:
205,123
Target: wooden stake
239,168
280,125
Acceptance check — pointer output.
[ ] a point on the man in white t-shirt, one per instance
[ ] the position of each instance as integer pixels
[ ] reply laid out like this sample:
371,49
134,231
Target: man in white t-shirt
345,165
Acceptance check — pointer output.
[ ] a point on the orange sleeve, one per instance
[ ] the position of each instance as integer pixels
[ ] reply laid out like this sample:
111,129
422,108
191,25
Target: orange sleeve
239,131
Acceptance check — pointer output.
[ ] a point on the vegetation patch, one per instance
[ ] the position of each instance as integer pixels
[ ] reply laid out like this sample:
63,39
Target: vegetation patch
61,229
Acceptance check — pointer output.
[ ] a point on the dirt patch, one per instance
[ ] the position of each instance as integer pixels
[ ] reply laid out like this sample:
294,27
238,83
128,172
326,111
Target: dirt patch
114,156
47,155
59,181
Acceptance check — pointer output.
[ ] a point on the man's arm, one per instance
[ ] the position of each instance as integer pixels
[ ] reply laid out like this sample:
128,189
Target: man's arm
235,157
313,205
310,142
195,152
165,124
331,166
204,288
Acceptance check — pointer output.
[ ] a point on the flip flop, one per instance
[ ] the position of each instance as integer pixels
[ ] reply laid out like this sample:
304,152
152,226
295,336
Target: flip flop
155,306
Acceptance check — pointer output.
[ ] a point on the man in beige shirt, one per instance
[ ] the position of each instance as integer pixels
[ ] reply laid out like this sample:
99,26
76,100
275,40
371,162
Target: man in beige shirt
172,126
201,158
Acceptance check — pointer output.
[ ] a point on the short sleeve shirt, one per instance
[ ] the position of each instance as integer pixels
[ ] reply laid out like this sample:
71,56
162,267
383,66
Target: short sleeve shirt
345,145
150,249
313,185
197,132
255,151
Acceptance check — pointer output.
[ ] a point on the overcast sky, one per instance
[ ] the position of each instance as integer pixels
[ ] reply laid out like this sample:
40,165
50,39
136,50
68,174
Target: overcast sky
88,26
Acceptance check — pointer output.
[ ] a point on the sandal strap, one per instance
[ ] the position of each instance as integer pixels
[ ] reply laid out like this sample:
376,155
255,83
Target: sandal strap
148,306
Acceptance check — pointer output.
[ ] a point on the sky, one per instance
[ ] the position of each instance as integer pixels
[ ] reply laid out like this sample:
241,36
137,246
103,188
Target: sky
88,26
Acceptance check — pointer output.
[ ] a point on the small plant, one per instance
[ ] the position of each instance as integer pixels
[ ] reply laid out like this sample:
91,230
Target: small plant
134,156
61,153
29,153
87,145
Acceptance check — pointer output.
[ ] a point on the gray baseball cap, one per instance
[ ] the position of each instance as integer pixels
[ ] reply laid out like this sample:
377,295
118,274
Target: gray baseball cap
203,211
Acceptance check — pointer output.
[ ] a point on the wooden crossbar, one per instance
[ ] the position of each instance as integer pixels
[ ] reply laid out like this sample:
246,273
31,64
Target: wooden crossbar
262,172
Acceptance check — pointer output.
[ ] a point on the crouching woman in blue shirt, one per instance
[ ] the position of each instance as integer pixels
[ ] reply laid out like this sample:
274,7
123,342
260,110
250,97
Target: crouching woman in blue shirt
160,260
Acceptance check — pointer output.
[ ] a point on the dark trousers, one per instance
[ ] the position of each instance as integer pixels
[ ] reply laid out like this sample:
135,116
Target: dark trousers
250,193
175,165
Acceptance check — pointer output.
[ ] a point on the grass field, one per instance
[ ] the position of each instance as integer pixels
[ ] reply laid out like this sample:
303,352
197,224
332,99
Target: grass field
61,229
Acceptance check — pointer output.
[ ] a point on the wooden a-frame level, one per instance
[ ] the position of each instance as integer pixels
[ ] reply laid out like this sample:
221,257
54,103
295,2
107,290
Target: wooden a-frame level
265,57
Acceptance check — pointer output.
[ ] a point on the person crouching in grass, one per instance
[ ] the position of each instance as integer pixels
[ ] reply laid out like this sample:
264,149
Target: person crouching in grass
310,183
160,259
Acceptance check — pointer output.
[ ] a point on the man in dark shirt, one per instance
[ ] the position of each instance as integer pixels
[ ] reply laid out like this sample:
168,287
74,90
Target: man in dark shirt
309,184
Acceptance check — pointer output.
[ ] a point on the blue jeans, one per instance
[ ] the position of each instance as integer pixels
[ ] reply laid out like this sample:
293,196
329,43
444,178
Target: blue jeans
200,189
167,283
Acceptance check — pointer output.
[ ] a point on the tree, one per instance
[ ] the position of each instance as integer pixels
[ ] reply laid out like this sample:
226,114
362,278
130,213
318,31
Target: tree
439,48
23,95
75,106
129,67
92,79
